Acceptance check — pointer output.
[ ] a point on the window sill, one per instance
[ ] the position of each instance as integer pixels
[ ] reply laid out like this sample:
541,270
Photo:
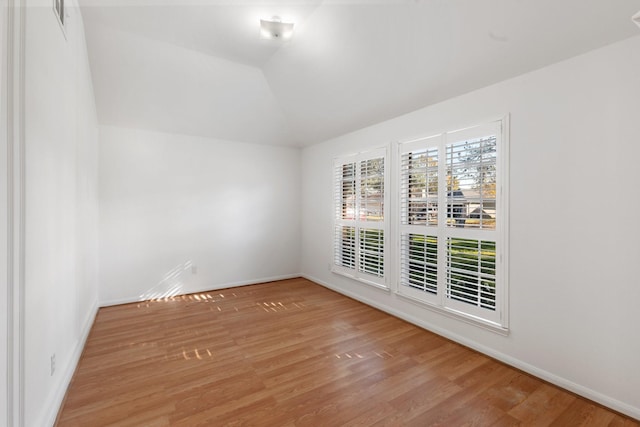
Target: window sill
454,314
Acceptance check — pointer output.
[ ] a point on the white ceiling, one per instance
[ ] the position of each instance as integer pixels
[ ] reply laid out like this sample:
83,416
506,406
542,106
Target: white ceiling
199,67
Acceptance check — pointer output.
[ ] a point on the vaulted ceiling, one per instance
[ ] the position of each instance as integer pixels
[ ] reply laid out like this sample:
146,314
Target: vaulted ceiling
199,67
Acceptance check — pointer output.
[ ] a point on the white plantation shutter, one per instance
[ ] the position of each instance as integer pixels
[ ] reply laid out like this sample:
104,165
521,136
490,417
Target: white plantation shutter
471,272
452,222
371,252
345,204
360,219
345,182
371,204
419,185
345,247
471,190
419,202
419,254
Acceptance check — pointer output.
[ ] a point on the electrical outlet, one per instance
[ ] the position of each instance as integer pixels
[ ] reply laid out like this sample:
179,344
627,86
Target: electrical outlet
53,364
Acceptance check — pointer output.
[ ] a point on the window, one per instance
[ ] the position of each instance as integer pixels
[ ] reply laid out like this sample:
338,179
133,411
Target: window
453,222
360,218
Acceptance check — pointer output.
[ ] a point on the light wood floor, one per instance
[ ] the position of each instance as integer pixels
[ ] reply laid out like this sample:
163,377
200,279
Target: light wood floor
293,353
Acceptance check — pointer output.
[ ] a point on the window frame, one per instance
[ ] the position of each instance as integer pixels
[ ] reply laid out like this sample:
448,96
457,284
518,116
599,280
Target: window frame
493,320
358,223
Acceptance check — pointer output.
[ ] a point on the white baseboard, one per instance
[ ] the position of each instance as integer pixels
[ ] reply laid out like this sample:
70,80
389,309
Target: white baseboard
581,390
55,402
135,299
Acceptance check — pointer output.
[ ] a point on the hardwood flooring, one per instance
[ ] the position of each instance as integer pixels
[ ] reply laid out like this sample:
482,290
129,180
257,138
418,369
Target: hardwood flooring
292,353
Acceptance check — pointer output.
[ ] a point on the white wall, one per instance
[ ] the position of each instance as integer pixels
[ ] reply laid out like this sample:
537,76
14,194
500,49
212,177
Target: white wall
574,220
4,218
61,207
169,202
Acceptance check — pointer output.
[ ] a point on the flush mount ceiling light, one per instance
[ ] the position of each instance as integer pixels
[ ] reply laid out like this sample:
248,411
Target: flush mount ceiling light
636,18
275,29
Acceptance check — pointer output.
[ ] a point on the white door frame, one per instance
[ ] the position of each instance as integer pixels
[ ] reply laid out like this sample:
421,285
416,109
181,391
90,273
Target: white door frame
13,183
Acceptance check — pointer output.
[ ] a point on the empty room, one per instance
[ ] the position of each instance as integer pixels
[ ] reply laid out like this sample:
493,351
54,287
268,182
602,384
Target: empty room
319,212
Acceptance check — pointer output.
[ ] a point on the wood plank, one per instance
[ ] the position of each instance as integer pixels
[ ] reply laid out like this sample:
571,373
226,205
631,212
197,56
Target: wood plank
292,353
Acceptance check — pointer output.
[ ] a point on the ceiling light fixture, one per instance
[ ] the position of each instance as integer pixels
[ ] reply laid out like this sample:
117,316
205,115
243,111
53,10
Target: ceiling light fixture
636,18
275,29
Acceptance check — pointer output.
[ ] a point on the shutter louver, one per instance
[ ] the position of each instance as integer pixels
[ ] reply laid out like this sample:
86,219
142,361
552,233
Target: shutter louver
345,244
471,183
419,189
372,252
372,190
471,272
346,191
419,255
